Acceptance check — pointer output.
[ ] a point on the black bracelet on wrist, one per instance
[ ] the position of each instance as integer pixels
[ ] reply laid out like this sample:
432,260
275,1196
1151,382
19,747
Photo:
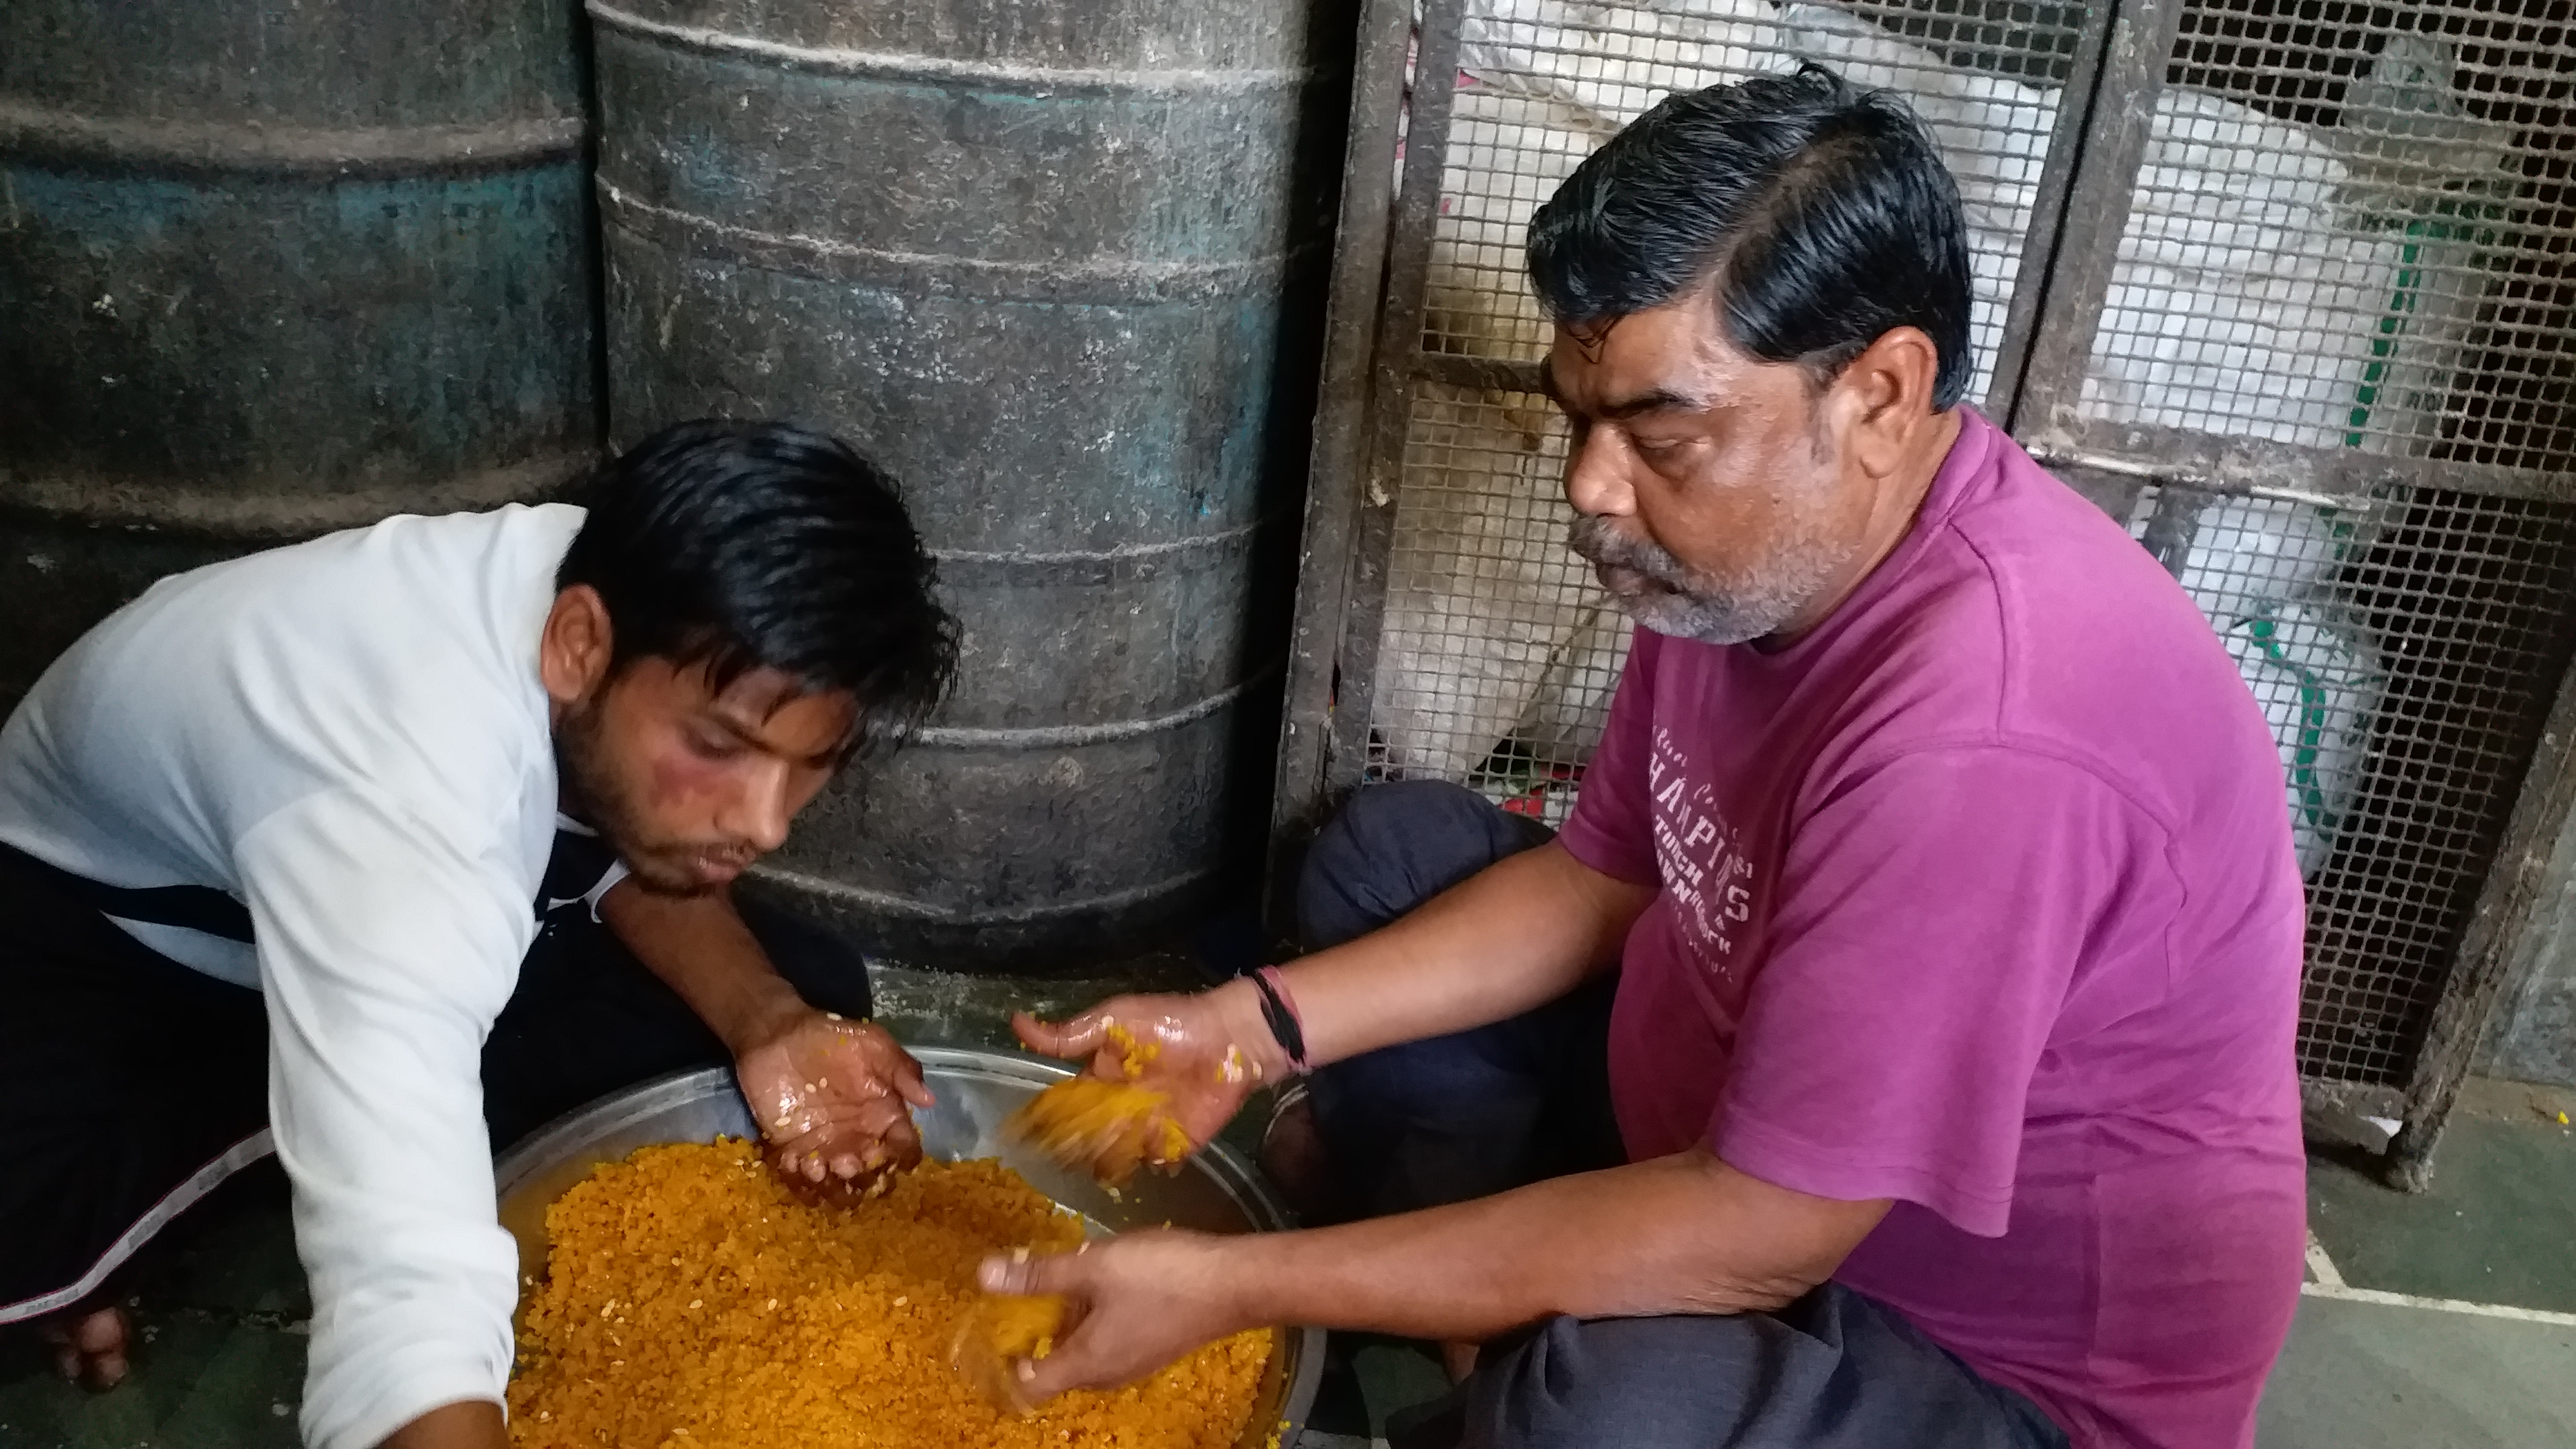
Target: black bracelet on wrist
1283,1023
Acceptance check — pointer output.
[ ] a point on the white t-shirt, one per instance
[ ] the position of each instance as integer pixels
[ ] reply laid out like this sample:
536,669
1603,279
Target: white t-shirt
348,736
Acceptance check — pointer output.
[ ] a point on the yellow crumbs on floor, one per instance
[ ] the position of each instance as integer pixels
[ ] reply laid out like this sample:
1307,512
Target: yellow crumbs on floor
691,1302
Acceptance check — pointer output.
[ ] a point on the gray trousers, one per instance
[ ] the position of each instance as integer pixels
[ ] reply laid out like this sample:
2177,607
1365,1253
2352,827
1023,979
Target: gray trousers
1483,1111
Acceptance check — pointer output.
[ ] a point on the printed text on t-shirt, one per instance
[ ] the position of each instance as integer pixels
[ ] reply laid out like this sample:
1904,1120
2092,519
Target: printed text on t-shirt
1701,859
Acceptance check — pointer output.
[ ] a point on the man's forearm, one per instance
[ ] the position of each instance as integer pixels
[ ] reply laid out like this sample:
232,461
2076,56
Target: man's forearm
699,946
1680,1234
1519,933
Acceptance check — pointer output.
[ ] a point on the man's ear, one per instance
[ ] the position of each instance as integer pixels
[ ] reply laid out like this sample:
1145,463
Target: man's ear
574,652
1886,393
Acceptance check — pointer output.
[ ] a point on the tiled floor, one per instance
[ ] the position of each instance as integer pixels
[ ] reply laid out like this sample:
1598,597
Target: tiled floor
224,1310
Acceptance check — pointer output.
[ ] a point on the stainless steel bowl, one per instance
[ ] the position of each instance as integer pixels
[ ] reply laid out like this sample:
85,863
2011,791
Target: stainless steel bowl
1216,1192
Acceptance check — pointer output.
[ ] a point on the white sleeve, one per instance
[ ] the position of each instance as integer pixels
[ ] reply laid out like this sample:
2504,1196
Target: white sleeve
386,950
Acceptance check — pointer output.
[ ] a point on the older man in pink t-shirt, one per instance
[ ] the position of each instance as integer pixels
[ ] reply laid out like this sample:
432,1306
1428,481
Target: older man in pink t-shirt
1895,1047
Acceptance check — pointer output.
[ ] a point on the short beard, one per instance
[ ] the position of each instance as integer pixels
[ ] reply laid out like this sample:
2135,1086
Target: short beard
1683,603
587,783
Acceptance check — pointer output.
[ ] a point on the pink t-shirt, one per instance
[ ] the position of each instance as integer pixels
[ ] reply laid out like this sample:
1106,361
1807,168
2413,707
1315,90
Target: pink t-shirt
1980,897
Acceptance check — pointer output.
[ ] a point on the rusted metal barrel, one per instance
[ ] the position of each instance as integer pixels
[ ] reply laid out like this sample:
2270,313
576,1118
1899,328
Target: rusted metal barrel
269,269
1053,265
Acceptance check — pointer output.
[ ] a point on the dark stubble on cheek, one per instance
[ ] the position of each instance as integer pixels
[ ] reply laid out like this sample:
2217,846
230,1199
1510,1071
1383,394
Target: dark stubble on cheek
581,759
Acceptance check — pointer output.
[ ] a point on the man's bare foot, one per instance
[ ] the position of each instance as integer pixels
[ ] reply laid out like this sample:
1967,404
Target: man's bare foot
89,1346
1459,1359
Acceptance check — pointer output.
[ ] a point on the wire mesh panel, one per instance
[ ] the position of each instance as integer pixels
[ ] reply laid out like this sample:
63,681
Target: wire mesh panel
2320,215
2305,300
1497,650
2346,235
2437,135
2336,271
2403,646
1544,82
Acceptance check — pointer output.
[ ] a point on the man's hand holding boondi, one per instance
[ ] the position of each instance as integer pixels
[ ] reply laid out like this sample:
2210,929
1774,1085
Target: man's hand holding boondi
833,1098
1134,1303
1205,1051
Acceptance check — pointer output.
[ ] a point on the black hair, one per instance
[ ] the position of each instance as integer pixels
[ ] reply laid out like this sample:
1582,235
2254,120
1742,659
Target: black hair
766,545
1823,215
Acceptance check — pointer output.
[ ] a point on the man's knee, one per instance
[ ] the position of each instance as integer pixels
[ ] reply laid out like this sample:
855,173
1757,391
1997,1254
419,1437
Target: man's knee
1394,846
1646,1382
1831,1371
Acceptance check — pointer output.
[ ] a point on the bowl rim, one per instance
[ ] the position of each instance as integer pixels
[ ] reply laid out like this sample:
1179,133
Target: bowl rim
541,1150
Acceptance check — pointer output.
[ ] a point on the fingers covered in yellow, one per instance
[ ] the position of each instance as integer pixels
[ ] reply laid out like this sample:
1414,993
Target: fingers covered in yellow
997,1334
1106,1128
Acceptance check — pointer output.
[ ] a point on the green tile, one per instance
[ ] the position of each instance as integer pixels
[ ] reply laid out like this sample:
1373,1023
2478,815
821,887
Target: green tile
2498,1226
233,1253
219,1303
244,1392
199,1382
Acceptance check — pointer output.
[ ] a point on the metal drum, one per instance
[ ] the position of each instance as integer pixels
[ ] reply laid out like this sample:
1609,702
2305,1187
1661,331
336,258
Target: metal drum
271,269
1216,1192
1053,265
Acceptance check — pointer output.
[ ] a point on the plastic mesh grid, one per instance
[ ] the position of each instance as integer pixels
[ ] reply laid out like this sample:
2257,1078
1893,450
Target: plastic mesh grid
2347,233
2403,651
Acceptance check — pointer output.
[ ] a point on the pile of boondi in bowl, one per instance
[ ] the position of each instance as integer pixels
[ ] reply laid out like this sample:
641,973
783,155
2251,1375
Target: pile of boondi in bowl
689,1300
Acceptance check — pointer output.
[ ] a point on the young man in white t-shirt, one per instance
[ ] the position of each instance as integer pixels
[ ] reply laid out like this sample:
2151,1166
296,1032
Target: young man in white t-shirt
390,846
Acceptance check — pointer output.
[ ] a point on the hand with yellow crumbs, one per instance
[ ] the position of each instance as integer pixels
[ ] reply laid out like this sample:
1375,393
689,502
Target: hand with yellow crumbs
1131,1305
1000,1333
833,1098
1166,1074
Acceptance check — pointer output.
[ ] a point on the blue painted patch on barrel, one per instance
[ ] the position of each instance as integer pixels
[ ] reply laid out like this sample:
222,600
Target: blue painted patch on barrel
269,269
259,336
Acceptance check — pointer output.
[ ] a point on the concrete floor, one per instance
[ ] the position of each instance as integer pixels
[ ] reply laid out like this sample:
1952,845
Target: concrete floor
2447,1318
2498,1226
2409,1351
2362,1375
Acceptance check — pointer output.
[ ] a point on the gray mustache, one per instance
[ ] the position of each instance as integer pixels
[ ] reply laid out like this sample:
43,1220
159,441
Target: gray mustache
1597,541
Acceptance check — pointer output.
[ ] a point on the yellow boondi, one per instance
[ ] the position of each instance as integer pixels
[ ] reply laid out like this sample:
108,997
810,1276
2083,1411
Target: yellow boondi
691,1302
1106,1128
996,1333
1015,1326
